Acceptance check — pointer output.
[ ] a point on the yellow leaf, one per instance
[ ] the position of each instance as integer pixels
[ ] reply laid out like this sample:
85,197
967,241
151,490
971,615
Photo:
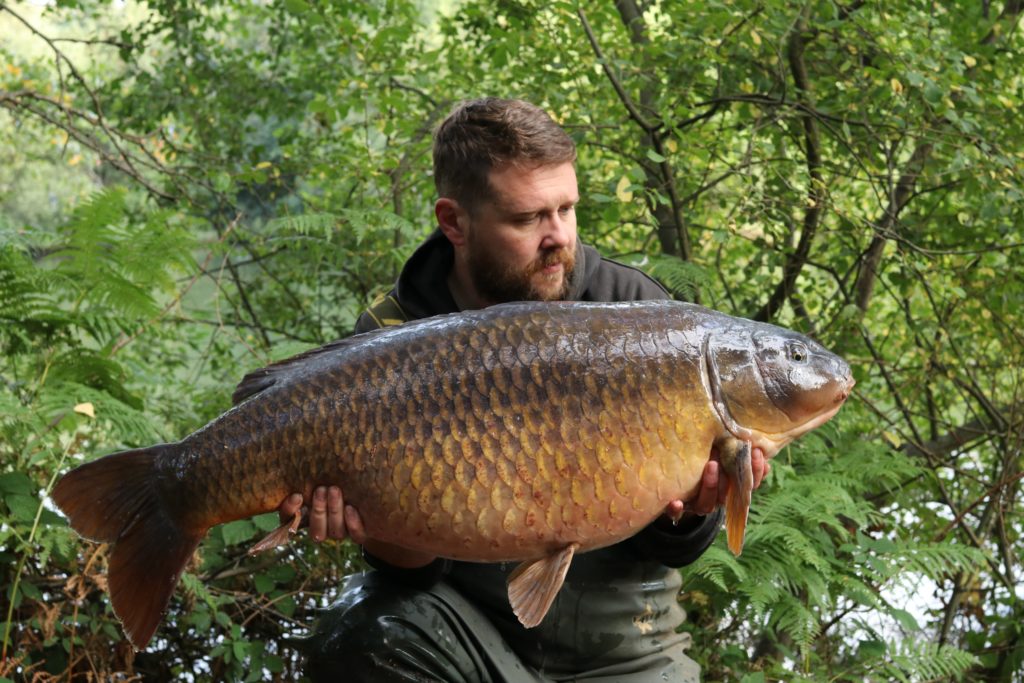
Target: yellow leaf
263,164
755,36
897,87
892,439
970,61
85,409
13,70
671,145
622,190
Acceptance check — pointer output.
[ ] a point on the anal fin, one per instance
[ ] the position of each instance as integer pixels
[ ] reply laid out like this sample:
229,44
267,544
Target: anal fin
533,585
735,456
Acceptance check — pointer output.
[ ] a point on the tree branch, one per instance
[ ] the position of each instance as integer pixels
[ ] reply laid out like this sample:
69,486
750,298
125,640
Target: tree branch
816,184
624,97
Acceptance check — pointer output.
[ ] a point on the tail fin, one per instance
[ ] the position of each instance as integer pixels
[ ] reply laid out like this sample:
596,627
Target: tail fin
116,500
735,456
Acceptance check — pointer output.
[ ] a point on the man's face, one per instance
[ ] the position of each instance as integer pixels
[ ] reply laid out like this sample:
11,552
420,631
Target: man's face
521,242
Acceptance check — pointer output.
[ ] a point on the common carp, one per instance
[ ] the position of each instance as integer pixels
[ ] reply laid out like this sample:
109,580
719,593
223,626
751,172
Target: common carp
521,432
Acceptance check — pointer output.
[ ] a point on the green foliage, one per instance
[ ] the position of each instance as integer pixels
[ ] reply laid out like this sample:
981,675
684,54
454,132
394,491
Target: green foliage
927,661
229,183
682,279
816,555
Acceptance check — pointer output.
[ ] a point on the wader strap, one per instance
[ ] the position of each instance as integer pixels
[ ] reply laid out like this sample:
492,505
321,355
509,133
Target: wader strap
386,312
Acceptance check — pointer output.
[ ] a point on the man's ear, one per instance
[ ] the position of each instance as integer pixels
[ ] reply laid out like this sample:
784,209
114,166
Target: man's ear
452,219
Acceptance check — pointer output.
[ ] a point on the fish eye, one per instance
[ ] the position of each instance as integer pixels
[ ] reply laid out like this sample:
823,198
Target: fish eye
797,352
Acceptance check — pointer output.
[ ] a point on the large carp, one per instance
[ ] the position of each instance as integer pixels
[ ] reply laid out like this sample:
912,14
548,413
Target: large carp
522,432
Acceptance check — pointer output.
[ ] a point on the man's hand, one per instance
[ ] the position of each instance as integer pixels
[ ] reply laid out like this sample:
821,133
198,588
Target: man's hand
326,517
714,486
329,517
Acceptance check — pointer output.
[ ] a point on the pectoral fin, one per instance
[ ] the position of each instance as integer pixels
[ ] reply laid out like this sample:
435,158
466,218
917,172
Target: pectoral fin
533,585
735,456
278,536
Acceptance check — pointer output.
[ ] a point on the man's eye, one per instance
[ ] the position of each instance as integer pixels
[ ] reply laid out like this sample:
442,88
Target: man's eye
566,210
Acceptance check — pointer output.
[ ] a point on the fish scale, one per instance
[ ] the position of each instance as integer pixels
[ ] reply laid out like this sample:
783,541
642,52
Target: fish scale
523,432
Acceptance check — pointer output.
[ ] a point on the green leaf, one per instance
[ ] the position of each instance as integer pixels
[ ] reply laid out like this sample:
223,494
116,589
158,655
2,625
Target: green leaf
287,606
297,6
872,649
23,508
654,156
238,531
30,590
16,482
273,663
281,573
263,583
905,619
933,93
266,522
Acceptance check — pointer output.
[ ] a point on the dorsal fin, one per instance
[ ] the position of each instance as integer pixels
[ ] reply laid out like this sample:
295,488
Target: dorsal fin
385,312
264,378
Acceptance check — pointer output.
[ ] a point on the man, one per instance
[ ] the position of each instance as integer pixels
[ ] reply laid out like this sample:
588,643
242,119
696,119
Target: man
506,221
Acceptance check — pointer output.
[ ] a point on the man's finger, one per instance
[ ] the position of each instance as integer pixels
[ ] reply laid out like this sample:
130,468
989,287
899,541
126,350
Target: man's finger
335,514
707,496
289,507
674,511
318,515
354,525
757,466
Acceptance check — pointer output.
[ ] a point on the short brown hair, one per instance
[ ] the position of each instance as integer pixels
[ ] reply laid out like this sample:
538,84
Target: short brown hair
482,134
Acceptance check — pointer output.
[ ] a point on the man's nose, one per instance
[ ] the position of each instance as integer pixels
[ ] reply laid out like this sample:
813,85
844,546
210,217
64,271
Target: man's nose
559,230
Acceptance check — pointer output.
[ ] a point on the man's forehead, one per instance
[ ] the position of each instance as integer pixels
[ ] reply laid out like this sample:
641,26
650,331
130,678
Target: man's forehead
517,188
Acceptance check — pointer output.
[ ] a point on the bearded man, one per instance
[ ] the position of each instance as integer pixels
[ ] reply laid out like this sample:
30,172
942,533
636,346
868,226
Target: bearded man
506,181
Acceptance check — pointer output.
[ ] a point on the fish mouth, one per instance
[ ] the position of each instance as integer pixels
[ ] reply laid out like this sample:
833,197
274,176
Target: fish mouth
769,442
776,441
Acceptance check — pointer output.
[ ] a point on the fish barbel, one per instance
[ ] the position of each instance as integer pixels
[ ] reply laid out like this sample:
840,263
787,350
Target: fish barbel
521,432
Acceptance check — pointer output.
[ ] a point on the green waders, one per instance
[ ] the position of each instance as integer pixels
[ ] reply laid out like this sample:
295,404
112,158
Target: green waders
381,631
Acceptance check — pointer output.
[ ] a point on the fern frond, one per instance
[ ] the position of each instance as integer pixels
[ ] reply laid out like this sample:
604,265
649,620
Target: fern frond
320,225
359,223
682,279
714,564
366,222
796,544
928,661
936,561
791,617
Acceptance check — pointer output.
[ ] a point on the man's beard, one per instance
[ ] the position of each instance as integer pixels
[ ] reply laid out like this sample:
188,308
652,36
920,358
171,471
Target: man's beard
499,283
